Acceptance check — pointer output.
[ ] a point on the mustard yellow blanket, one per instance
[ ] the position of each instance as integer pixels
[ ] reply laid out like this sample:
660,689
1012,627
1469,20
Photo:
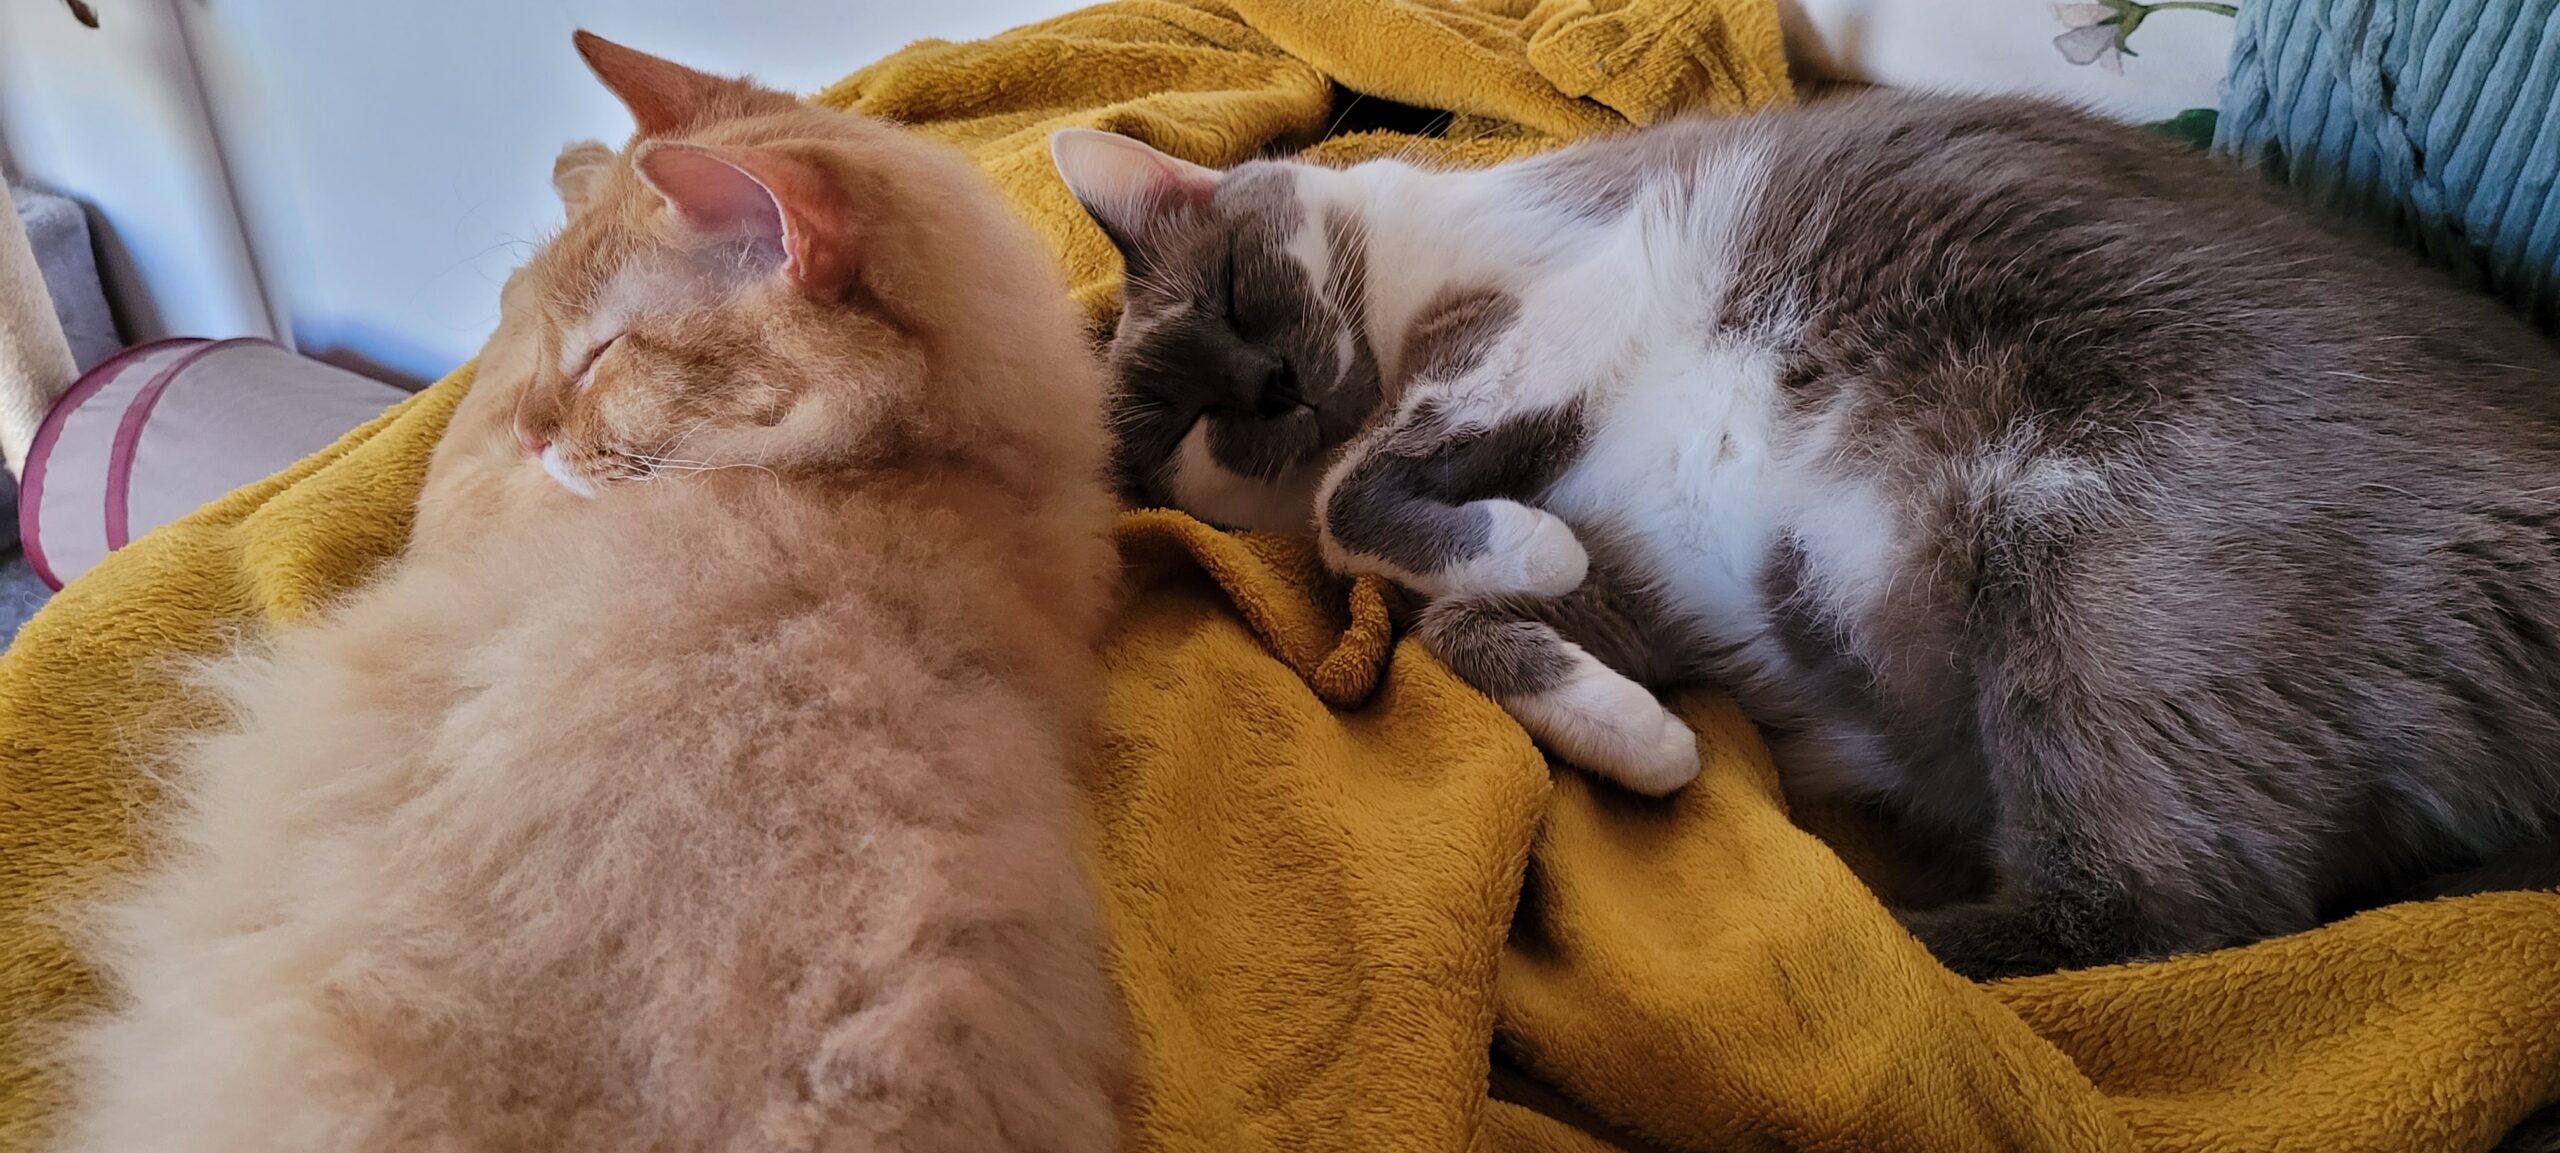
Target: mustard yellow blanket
1352,907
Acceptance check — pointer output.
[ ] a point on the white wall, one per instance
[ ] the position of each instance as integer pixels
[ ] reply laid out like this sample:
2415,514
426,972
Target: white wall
391,160
395,159
114,117
2007,46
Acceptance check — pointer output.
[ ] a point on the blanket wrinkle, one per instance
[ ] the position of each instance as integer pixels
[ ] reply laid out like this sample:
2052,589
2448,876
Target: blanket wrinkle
1352,907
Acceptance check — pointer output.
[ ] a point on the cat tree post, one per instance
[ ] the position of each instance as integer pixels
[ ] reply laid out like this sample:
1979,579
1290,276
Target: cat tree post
35,359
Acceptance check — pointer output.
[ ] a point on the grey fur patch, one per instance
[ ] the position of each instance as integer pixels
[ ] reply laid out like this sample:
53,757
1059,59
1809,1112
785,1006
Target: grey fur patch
1453,333
2232,603
1619,619
1493,647
1410,500
1812,635
1516,645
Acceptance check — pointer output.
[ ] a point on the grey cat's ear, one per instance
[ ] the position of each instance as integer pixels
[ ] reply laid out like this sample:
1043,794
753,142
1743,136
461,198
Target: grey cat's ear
1130,189
580,173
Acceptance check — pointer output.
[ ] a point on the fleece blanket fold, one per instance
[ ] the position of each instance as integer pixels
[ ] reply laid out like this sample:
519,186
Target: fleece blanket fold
1352,907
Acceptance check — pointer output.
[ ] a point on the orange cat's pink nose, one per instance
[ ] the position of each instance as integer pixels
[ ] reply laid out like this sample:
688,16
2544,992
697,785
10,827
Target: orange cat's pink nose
532,445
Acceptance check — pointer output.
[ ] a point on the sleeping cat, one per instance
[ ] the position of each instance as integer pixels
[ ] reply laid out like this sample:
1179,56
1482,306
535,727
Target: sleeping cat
701,778
2025,476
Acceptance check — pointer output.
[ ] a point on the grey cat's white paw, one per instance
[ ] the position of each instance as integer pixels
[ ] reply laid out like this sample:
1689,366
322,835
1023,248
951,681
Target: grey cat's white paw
1669,765
1605,724
1528,552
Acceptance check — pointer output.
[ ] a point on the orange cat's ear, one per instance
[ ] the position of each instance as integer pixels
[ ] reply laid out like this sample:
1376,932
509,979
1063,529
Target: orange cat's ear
662,95
580,174
768,196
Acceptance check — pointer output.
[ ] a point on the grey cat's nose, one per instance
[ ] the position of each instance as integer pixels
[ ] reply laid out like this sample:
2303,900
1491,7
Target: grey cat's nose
1279,391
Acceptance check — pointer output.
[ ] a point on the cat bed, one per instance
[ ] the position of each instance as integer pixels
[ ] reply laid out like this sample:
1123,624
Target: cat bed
1351,906
157,430
2439,125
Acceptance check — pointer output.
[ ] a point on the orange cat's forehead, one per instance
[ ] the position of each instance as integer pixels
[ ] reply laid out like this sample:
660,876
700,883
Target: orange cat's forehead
592,262
587,253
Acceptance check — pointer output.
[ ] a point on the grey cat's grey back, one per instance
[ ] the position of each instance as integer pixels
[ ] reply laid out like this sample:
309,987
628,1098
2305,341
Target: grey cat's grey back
2275,506
2018,227
2238,531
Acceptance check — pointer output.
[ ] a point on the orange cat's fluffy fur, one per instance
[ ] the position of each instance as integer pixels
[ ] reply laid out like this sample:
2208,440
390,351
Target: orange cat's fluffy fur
701,778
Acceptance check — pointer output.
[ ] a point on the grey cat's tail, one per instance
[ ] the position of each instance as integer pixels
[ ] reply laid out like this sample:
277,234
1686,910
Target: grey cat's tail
2536,867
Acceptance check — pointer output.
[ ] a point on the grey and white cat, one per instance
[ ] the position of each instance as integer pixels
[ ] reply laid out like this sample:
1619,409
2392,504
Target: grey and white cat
2192,570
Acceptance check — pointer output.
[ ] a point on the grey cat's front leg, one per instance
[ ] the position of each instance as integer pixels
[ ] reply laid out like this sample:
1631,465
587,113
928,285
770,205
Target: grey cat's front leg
1437,509
1583,710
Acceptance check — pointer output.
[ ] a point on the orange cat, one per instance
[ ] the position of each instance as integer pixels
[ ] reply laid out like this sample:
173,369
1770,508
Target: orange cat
701,779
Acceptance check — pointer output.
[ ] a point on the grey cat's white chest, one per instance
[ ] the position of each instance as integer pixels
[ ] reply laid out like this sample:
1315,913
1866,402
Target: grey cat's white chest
1698,474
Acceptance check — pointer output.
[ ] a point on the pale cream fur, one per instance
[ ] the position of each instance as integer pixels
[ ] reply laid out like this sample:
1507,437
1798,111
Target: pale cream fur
35,360
730,809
